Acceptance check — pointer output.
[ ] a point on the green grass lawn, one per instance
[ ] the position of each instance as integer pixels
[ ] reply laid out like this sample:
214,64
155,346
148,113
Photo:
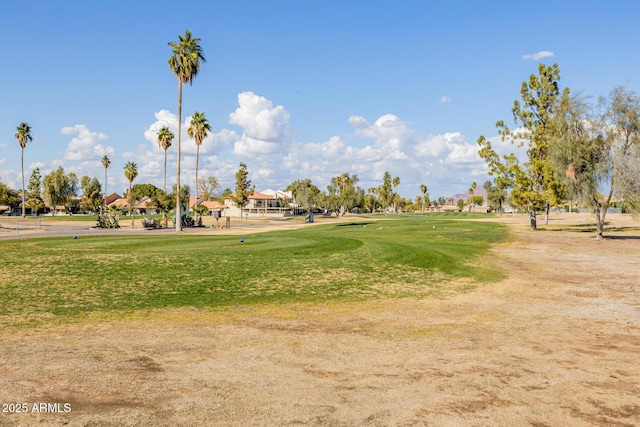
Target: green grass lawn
382,257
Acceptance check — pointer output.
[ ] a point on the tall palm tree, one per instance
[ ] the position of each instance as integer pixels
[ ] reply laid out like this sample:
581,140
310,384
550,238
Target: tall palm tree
23,136
185,64
198,130
106,161
423,190
131,172
395,183
165,137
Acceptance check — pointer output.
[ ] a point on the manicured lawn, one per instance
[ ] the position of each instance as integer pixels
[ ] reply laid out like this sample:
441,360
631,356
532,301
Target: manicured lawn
382,257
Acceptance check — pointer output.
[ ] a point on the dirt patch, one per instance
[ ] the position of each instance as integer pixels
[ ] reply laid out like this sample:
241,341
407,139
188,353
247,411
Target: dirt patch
556,343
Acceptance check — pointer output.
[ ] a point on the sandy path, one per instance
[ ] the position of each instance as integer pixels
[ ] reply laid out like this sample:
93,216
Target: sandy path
557,343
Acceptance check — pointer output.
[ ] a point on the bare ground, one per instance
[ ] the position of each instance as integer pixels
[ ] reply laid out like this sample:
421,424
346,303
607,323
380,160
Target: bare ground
557,343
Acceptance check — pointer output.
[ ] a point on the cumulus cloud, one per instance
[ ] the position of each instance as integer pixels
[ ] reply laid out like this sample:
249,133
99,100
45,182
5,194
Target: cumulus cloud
441,161
87,145
265,127
538,55
214,143
39,165
359,122
163,118
446,163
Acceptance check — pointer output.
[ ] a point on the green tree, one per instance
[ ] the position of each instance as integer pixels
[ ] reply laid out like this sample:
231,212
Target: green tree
534,184
8,197
589,151
131,173
386,195
185,64
59,188
34,192
92,193
243,188
460,204
106,161
165,137
164,203
370,200
345,192
198,130
185,192
23,136
471,191
425,197
305,193
495,196
226,194
145,190
622,117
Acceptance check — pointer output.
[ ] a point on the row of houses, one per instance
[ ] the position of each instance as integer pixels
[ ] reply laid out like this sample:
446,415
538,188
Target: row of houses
266,203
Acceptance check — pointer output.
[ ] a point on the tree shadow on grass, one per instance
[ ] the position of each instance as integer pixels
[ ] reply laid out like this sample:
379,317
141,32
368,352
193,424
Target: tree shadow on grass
351,224
591,228
620,237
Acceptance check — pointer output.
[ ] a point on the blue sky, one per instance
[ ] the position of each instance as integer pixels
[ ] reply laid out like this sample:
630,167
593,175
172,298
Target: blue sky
295,89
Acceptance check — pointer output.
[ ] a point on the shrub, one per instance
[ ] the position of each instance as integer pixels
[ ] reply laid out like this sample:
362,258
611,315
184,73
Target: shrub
108,220
187,221
150,223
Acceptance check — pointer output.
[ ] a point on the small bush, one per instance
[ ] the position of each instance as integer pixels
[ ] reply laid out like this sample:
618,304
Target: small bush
108,220
150,223
187,221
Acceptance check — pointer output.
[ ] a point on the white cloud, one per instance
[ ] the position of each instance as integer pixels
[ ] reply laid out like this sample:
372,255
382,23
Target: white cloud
359,122
86,145
266,129
538,55
163,118
445,100
213,144
446,163
40,165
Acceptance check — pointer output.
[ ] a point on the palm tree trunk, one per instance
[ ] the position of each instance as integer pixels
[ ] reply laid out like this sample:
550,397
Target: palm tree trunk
178,213
165,170
22,162
196,203
105,188
131,203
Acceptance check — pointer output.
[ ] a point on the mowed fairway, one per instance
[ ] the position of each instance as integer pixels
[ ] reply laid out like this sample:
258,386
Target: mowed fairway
51,279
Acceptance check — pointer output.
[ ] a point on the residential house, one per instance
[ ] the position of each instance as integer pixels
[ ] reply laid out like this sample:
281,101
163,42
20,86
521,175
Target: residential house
121,203
261,204
211,205
112,197
146,207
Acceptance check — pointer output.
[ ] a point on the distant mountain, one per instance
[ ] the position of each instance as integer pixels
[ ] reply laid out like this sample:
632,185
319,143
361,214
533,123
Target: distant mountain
480,191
